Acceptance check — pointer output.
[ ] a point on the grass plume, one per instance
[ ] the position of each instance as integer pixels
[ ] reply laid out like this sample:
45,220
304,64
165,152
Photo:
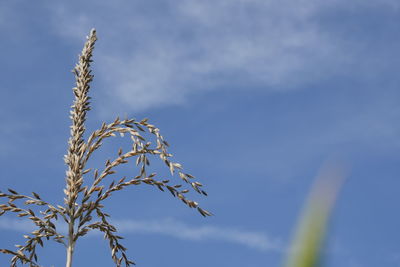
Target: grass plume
82,209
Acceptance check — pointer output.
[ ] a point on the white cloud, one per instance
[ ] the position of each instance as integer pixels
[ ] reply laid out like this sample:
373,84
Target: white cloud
153,56
157,53
24,225
173,228
16,225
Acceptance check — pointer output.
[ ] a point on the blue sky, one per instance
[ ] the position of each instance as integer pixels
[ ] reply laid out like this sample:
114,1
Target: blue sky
253,96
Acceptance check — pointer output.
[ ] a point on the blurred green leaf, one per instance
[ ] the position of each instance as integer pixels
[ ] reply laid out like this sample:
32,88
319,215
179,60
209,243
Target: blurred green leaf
309,237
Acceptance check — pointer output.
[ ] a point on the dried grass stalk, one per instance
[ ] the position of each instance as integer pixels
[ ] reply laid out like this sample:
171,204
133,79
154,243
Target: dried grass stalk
84,202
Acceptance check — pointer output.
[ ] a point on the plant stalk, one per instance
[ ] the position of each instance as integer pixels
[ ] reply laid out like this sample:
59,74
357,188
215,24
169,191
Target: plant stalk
71,243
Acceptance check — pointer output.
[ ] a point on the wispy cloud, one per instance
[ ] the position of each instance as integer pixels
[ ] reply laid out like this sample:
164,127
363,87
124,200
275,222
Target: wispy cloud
16,225
158,54
24,225
173,228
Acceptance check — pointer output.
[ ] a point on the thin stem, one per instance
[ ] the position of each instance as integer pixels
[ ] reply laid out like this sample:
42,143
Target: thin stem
70,251
71,243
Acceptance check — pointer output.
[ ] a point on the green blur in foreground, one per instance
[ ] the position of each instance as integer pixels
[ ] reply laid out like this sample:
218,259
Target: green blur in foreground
306,246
